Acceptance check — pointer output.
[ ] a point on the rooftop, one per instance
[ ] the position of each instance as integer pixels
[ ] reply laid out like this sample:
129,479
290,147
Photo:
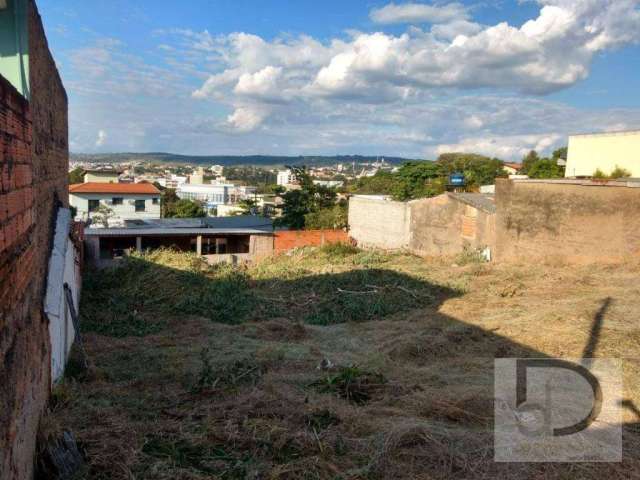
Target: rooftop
240,225
480,201
123,188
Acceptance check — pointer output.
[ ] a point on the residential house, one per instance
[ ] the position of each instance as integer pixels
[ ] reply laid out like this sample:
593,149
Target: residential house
512,168
126,200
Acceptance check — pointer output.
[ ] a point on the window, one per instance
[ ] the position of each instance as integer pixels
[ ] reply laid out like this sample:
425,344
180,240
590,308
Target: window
94,205
156,201
140,206
116,200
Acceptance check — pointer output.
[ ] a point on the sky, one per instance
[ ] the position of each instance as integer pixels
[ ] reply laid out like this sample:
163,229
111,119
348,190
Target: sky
370,77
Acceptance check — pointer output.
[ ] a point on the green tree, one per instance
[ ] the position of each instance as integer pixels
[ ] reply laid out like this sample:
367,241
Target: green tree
248,206
328,218
103,215
188,209
528,161
418,179
560,153
545,168
477,169
168,201
76,176
309,198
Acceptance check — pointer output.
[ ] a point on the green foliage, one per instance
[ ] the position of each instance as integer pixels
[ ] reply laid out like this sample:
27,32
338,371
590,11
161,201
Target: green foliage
545,168
418,179
427,179
616,173
250,175
310,198
599,174
144,291
168,201
328,218
351,383
477,169
135,298
560,153
76,175
620,172
185,209
382,183
248,206
103,215
200,457
528,161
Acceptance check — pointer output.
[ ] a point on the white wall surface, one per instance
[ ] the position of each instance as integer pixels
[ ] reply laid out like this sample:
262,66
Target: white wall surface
377,222
64,267
126,211
587,153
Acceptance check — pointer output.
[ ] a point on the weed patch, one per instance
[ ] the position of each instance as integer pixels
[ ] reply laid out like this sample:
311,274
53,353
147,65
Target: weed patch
352,383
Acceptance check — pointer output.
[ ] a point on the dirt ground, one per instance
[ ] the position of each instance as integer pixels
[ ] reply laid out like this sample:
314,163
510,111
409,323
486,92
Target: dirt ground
344,365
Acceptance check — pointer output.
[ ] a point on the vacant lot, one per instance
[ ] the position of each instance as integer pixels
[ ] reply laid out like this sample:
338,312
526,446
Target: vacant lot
331,363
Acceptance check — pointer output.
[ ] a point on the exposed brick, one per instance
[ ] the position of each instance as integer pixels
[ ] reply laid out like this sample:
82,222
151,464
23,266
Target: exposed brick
33,176
287,240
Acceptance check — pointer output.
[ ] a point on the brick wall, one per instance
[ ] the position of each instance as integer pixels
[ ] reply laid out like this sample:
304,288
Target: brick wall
33,168
287,240
445,225
567,221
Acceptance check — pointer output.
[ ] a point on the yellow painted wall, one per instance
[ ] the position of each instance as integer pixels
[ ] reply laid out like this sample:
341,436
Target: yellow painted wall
587,153
100,177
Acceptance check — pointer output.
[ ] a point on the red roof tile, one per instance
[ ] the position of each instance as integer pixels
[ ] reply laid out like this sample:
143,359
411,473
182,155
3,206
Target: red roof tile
123,188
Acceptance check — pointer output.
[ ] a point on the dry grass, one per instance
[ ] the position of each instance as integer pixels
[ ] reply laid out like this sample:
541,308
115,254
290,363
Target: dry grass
406,392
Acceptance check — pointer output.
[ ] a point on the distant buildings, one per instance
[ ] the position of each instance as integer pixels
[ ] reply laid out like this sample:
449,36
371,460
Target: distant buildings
512,168
603,151
329,183
126,200
286,177
197,177
211,195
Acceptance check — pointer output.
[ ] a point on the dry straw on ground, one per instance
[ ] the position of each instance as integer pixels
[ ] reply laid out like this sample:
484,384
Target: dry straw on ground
185,386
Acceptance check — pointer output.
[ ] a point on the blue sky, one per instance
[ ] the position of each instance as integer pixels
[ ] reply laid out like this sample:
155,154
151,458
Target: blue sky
416,79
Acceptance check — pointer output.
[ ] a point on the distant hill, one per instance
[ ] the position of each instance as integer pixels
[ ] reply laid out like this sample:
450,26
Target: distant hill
228,160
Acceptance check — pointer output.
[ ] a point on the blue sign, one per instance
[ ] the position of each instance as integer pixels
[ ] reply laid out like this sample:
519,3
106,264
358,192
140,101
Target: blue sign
457,179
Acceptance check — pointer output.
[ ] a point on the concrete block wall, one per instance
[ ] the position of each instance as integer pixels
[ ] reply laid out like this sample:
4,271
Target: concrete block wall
567,221
33,181
379,222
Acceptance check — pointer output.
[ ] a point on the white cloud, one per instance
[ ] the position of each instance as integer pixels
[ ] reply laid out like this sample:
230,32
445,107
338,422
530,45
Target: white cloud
102,138
246,119
410,94
509,147
263,84
418,13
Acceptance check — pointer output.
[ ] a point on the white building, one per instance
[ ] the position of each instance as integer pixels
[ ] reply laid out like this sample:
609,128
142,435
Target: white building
128,201
329,183
214,194
604,152
286,177
173,181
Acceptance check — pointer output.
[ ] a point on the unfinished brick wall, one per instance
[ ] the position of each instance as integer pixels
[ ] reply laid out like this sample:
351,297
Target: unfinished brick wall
33,167
287,240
